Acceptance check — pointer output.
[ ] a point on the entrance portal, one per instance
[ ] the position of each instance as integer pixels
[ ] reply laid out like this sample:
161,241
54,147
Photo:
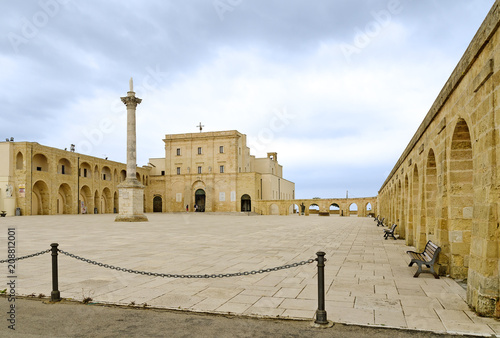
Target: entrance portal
246,203
157,204
199,200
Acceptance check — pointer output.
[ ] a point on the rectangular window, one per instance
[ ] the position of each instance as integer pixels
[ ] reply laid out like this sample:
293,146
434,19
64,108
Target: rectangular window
163,173
62,169
84,172
38,168
199,150
178,151
221,149
104,177
199,170
221,169
178,170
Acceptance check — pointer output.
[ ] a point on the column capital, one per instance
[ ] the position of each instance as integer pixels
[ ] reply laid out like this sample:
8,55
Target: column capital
131,101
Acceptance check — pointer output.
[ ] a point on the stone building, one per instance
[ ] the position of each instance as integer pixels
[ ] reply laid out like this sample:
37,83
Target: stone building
445,187
40,180
214,171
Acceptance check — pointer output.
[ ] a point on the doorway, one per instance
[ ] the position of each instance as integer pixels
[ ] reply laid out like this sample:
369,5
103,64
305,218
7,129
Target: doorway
157,204
199,200
246,203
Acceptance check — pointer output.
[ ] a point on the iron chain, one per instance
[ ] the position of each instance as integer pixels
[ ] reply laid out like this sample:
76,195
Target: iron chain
24,257
168,275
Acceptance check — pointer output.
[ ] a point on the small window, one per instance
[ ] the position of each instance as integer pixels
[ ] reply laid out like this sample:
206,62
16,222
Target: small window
221,149
38,168
199,150
63,171
221,169
178,170
163,173
199,170
84,172
178,151
104,177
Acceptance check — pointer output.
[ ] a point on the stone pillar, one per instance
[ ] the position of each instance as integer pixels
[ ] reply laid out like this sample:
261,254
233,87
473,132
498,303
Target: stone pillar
131,199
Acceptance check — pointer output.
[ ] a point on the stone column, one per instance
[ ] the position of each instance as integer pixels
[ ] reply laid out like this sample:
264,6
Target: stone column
131,199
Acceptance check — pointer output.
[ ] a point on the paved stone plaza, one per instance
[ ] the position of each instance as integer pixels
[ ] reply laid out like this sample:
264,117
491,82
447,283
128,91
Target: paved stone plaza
368,280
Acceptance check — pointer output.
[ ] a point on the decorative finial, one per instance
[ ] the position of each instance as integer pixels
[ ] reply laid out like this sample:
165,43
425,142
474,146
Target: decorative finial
200,126
131,84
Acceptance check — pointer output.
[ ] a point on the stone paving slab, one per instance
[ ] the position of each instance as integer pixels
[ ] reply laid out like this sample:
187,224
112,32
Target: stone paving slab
367,278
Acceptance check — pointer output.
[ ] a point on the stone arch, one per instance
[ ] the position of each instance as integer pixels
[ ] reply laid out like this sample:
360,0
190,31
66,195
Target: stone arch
461,199
157,204
246,203
85,170
400,217
40,163
86,205
123,175
97,204
293,209
115,175
64,166
138,177
274,209
428,217
106,173
313,209
414,207
406,205
334,209
353,209
19,161
96,172
106,201
64,200
40,198
116,202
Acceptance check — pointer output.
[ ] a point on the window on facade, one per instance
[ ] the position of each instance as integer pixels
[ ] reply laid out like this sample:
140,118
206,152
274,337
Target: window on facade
178,151
221,149
104,177
163,173
38,168
221,169
199,170
178,170
199,150
84,172
63,171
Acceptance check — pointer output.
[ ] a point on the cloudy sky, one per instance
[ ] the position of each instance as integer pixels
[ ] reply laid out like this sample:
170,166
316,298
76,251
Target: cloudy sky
337,88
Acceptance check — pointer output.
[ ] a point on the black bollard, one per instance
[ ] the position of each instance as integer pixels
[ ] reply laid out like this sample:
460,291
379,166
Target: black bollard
55,295
321,312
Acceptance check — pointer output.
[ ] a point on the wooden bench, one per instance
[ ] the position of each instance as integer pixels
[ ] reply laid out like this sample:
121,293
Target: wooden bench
427,257
3,213
390,232
380,222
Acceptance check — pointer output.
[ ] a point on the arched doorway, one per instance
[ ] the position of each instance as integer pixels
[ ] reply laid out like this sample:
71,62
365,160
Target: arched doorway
41,199
199,200
157,204
246,203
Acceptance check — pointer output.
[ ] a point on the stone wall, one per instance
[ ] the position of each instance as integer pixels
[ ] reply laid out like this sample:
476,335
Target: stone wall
445,186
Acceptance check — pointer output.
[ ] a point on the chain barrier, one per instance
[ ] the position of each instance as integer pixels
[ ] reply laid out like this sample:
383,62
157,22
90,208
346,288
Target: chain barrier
24,257
168,275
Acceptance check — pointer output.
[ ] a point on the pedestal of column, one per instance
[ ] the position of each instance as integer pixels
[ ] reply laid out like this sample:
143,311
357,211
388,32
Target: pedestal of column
131,202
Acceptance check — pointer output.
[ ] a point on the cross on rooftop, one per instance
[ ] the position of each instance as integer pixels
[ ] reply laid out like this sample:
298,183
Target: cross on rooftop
200,126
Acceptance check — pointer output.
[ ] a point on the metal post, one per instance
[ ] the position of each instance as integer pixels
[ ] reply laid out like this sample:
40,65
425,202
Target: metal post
55,295
321,312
